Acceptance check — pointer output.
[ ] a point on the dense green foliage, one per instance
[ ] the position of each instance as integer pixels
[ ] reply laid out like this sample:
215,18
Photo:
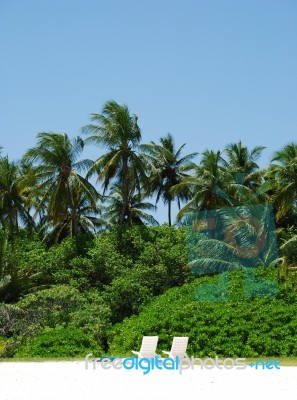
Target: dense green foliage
90,283
229,324
94,284
59,342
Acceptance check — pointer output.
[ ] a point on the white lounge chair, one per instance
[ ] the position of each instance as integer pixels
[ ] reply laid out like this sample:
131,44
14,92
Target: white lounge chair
178,348
148,347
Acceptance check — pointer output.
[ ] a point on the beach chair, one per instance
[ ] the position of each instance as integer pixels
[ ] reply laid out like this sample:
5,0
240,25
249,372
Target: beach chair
148,347
178,348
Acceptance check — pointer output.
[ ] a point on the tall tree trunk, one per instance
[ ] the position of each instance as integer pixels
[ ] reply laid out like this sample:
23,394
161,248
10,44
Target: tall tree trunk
125,189
74,225
73,214
11,226
169,212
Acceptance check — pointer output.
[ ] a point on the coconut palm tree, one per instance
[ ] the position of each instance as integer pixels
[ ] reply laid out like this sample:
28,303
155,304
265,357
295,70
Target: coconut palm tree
167,169
117,130
135,212
230,182
282,175
245,175
13,208
82,218
240,159
207,185
57,182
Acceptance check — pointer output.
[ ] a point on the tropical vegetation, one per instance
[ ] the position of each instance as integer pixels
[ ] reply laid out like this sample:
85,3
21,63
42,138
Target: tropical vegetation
84,259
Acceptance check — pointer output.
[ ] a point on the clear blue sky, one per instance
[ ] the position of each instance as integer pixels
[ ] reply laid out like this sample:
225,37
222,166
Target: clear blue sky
210,72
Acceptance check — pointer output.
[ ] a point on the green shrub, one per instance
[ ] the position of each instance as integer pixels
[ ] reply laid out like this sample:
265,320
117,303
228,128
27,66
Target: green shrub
108,263
59,342
59,257
3,342
10,315
94,317
21,264
51,307
63,306
126,297
228,325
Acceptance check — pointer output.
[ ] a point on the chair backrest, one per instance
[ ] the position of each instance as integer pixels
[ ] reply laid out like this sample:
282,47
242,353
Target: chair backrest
179,346
148,346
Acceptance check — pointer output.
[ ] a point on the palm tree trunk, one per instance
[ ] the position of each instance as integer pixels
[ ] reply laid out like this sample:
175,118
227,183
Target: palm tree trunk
169,212
125,186
74,225
11,227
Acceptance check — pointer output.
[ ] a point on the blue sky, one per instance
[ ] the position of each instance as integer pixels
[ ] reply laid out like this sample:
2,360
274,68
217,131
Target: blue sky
210,72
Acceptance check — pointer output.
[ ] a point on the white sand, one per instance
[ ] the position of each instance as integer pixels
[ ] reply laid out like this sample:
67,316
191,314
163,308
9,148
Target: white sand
70,380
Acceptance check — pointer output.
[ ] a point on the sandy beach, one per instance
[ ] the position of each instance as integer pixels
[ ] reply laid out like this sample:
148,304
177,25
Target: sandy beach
70,380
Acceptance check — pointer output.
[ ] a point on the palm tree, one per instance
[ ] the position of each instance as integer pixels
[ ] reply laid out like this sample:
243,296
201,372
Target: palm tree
246,183
83,218
240,159
57,181
220,182
117,131
207,185
167,169
12,200
135,212
282,174
244,171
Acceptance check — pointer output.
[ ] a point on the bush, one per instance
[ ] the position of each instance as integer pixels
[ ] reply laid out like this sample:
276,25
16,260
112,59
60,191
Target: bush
21,265
126,297
234,326
154,259
50,307
63,306
59,342
59,257
94,317
10,316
